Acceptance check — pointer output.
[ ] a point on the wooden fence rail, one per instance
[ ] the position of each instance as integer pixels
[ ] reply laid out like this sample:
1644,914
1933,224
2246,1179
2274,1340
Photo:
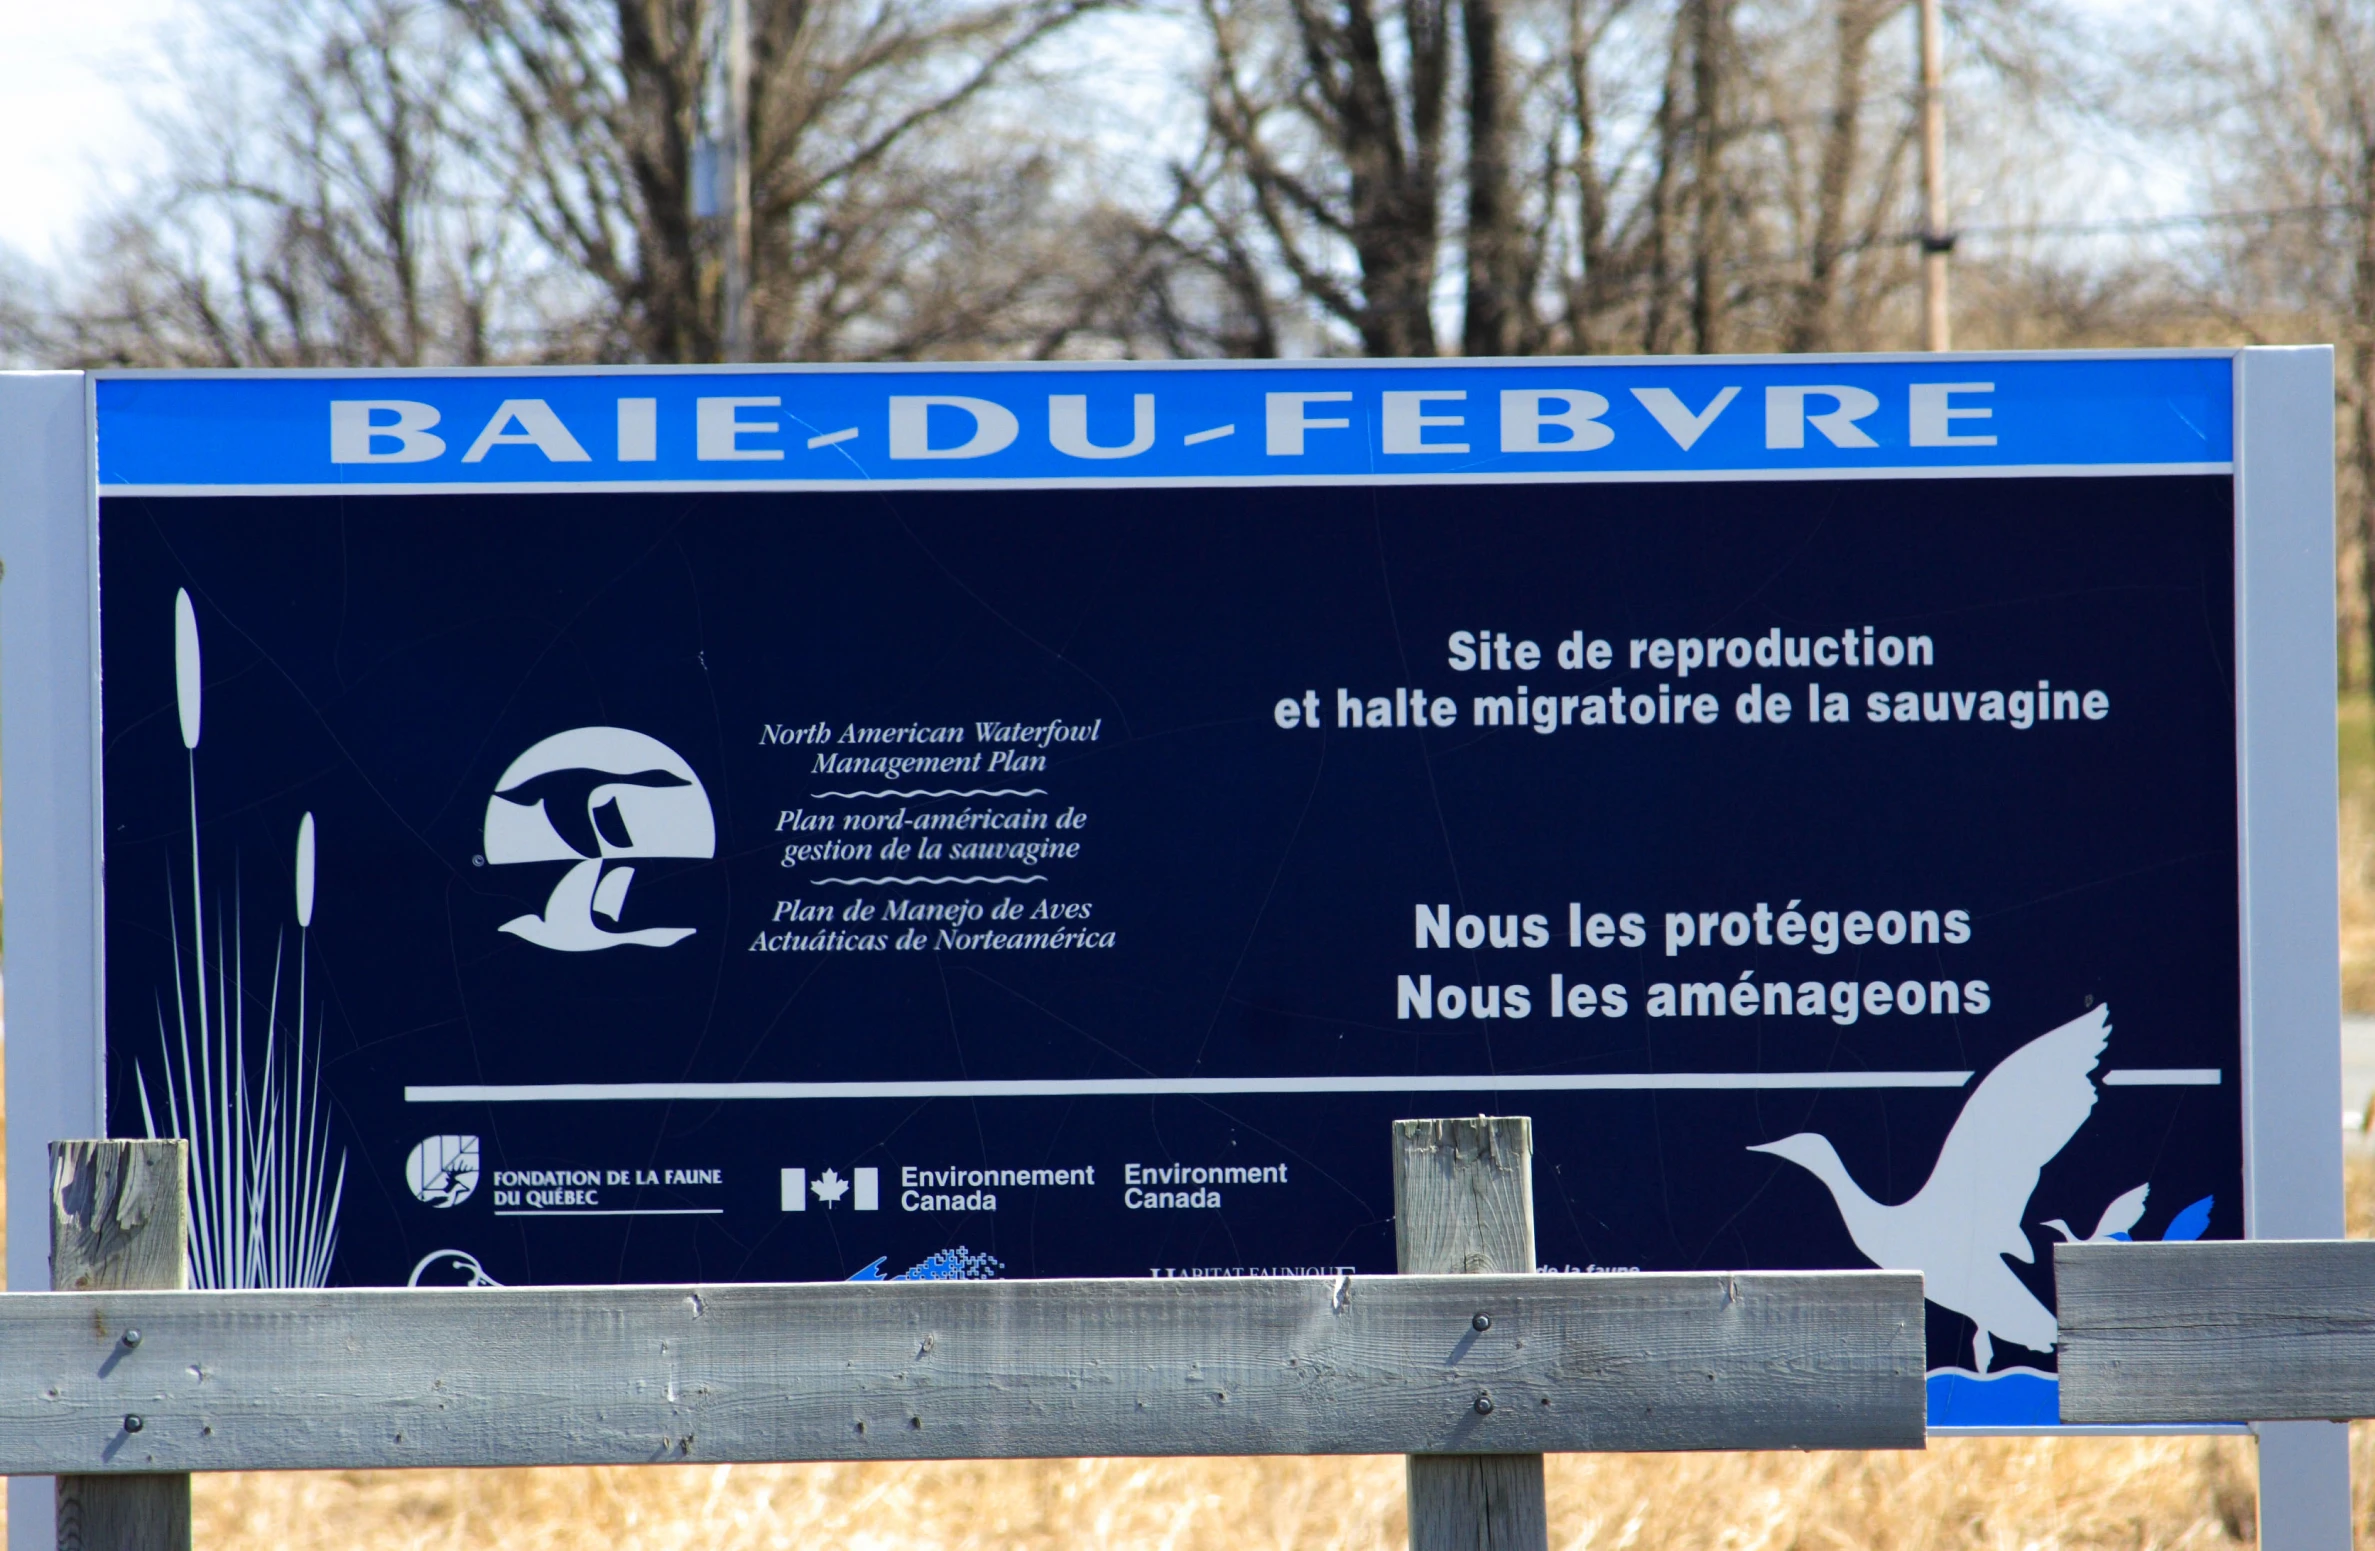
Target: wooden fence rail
121,1393
2273,1330
957,1370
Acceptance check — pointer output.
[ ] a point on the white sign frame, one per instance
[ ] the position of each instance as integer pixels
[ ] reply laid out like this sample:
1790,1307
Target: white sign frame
2286,671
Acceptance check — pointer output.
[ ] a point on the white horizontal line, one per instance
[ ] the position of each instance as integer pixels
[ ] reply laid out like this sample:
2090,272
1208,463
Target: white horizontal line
1134,1087
832,438
2162,1077
623,1211
1002,791
1176,481
1198,438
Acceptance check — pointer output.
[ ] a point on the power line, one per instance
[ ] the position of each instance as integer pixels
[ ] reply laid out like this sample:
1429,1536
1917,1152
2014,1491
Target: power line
2144,223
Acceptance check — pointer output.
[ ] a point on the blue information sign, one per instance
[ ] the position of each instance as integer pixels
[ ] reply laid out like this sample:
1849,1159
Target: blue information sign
860,823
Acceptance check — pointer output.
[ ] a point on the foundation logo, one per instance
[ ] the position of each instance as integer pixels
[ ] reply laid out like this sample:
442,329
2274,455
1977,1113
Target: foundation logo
443,1170
596,798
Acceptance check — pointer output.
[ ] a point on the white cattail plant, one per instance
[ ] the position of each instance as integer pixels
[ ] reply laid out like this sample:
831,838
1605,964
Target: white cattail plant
264,1193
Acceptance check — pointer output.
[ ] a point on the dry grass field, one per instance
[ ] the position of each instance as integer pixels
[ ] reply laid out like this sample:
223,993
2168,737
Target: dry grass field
2357,728
1993,1494
2020,1494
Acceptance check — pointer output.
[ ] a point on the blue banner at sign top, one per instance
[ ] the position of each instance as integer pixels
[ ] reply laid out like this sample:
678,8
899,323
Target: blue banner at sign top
842,427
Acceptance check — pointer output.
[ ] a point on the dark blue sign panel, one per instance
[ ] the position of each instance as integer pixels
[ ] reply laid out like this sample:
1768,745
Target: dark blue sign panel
670,884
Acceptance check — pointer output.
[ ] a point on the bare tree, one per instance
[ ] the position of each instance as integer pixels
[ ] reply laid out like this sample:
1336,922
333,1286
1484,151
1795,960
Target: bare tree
314,212
406,182
2278,98
1593,282
1742,188
1856,22
1664,240
1712,68
872,182
25,307
1330,116
1499,313
1696,174
425,181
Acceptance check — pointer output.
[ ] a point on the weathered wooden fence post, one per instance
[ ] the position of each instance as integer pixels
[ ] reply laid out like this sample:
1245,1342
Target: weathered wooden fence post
119,1220
1464,1204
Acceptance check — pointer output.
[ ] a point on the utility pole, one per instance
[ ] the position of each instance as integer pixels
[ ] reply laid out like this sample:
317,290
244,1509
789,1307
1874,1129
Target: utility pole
737,159
1937,243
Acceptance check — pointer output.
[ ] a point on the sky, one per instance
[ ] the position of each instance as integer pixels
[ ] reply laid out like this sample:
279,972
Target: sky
73,74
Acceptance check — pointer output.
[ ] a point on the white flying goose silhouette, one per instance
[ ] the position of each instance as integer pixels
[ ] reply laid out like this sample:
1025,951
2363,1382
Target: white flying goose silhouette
1958,1228
2121,1215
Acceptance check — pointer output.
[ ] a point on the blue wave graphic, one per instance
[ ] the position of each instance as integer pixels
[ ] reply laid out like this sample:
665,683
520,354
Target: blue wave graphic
2016,1397
945,1265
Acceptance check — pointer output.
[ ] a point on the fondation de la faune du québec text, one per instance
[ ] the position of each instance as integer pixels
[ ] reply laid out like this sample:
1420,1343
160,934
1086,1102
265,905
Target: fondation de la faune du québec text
1672,701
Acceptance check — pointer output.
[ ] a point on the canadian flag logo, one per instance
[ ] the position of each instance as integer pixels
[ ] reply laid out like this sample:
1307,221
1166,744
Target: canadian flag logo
862,1189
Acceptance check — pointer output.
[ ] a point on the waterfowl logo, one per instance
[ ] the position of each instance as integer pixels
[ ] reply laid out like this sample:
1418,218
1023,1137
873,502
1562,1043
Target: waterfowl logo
450,1268
443,1170
1960,1226
595,797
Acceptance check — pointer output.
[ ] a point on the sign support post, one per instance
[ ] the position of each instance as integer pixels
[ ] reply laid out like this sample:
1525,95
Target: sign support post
49,818
119,1221
2285,672
1464,1206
